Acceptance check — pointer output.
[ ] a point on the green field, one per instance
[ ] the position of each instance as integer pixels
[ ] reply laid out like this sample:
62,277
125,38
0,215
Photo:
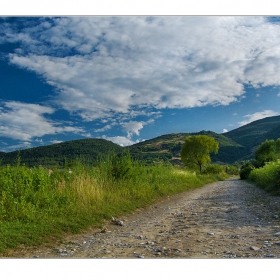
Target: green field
36,204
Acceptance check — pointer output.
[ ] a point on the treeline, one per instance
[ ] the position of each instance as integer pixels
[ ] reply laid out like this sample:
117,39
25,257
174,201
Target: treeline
87,151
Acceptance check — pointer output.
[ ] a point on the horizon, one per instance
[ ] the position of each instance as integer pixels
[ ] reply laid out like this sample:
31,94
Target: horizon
138,142
128,79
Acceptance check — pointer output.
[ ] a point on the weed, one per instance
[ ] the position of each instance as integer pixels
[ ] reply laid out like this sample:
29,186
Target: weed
36,204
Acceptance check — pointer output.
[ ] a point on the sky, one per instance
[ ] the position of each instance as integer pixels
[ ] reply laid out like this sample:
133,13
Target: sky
132,78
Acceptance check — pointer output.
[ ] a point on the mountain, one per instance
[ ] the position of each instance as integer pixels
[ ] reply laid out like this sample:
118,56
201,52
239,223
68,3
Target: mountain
235,145
168,147
87,150
251,135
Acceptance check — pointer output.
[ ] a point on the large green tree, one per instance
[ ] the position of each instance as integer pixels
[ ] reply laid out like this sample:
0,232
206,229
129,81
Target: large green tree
196,150
268,151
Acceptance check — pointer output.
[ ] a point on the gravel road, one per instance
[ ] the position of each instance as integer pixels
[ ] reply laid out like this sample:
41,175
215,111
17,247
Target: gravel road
226,219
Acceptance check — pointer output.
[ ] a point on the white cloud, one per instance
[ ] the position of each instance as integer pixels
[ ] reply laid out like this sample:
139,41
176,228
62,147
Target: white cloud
56,141
106,127
257,116
120,140
225,130
39,140
121,68
20,145
24,121
162,62
132,127
278,94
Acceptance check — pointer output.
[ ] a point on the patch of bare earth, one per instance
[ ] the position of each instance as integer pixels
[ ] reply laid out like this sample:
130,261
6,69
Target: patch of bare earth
228,219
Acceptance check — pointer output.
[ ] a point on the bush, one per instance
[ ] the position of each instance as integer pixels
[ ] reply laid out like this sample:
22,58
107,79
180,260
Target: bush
267,177
232,170
213,169
245,171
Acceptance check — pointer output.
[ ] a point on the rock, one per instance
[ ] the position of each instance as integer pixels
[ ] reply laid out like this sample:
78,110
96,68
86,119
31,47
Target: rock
104,230
180,215
277,234
63,255
276,216
254,248
270,256
277,243
117,222
210,233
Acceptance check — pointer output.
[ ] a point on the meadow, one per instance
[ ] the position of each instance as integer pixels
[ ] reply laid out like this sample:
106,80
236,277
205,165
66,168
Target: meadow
37,204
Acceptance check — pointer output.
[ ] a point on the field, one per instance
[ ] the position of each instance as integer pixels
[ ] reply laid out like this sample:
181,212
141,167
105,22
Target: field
37,204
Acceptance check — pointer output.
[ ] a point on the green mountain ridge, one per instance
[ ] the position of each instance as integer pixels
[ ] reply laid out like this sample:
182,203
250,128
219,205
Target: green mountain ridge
87,150
235,145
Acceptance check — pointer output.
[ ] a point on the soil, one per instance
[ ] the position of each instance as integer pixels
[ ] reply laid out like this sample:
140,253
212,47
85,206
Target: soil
227,219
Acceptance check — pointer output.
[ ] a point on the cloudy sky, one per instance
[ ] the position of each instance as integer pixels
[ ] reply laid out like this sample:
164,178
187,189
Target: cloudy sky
131,78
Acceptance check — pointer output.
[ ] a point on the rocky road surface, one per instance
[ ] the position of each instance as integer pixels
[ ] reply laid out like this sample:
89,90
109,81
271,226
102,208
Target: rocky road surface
227,219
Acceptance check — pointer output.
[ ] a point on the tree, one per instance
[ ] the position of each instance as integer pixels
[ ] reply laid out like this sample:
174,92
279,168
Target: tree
268,151
196,150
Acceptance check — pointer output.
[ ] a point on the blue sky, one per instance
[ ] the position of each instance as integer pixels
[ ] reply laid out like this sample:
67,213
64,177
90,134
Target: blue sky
132,78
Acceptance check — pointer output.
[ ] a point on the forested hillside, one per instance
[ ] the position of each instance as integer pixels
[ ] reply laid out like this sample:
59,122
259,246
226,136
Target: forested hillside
86,150
168,146
250,136
236,145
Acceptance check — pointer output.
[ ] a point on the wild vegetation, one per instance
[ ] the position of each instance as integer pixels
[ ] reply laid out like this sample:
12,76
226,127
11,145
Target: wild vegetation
264,171
267,177
36,203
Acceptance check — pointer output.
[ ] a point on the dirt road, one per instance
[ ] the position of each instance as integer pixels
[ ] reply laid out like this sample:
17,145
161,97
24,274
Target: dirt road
228,219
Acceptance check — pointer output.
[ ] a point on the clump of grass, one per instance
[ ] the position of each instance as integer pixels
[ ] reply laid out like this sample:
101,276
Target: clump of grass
35,204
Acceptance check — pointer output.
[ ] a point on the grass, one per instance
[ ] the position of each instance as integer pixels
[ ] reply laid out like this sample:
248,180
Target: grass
267,177
36,205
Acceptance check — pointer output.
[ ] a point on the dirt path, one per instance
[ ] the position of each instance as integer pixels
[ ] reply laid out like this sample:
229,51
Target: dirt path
229,219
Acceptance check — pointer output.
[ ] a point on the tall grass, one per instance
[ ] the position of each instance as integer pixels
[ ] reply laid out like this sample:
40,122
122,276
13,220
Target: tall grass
36,204
267,177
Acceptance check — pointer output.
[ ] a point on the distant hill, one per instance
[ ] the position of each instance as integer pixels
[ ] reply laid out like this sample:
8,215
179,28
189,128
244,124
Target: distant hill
87,150
236,145
251,135
168,147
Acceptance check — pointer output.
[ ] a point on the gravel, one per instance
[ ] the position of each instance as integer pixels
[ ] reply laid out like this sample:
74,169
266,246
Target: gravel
227,219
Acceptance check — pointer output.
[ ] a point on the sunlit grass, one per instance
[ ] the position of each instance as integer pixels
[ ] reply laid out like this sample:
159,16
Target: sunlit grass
35,204
267,177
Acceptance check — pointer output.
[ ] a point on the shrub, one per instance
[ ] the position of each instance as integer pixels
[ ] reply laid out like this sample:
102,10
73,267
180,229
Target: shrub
267,177
213,169
245,171
232,170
